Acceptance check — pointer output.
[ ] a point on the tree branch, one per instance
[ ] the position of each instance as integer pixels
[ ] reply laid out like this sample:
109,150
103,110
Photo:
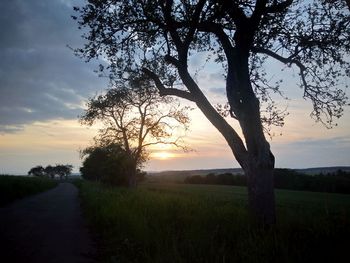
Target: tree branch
278,57
163,91
280,7
169,22
259,10
235,12
348,3
223,38
194,22
288,61
175,143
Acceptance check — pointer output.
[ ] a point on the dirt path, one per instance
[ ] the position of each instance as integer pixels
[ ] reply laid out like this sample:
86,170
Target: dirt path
47,227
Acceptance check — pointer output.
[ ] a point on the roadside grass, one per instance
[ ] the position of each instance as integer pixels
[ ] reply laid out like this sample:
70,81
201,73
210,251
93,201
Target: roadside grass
207,223
15,187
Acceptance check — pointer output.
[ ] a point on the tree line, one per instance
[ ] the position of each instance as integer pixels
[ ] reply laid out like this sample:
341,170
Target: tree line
338,182
61,170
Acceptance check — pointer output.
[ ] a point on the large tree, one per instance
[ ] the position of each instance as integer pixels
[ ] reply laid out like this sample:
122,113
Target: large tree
135,116
158,38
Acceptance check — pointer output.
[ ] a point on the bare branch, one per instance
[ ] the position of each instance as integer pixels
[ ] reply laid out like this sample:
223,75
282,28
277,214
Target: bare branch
280,58
279,7
163,91
194,23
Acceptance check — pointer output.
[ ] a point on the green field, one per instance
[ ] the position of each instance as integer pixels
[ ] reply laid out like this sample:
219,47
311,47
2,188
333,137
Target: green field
15,187
207,223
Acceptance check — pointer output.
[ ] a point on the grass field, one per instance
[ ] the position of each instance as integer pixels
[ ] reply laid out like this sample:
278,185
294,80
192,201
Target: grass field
206,223
15,187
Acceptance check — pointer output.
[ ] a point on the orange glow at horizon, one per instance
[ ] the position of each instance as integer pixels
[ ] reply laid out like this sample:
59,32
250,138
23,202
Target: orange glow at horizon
162,155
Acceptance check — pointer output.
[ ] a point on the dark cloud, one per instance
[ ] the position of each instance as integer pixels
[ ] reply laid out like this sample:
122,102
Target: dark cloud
40,78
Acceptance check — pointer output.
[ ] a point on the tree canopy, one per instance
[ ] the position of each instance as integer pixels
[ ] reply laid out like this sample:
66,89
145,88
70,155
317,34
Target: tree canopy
37,171
63,170
160,36
135,117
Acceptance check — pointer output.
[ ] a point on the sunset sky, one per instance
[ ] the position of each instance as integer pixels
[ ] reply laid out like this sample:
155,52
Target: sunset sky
43,87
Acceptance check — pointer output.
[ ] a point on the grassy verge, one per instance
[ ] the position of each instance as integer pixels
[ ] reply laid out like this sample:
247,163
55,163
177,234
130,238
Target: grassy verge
15,187
205,223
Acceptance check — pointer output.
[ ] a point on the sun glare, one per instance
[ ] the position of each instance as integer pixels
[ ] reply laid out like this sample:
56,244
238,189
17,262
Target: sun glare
162,155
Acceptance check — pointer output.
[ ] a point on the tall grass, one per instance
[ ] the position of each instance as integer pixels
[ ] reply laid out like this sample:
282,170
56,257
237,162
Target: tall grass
179,223
15,187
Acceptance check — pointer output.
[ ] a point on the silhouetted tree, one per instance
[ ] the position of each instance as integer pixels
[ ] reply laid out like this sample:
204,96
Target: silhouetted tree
108,164
136,118
194,179
37,171
63,170
50,171
159,38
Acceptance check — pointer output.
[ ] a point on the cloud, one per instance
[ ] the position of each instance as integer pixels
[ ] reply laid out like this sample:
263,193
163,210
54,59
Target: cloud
40,78
313,152
324,143
217,76
218,91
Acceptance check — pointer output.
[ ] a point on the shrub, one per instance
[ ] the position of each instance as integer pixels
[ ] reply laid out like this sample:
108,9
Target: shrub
109,164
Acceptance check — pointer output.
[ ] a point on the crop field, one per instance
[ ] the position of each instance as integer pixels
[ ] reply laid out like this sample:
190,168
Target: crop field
206,223
15,187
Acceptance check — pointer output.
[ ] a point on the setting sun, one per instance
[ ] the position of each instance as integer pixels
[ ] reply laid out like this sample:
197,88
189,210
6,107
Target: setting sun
162,155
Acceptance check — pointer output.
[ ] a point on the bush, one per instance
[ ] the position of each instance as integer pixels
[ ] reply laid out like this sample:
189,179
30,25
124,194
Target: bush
109,164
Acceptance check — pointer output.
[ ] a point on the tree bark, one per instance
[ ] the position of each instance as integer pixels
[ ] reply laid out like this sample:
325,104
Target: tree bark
261,196
259,165
259,172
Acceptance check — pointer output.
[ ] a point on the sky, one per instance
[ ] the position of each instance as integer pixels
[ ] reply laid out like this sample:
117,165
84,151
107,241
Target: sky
43,89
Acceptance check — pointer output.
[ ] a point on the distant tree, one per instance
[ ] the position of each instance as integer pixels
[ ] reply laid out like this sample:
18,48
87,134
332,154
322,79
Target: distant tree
159,38
194,179
37,171
63,170
135,118
109,164
50,171
210,178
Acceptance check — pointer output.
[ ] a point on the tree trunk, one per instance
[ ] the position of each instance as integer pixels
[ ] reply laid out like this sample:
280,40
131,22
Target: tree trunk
261,197
132,180
259,165
254,156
